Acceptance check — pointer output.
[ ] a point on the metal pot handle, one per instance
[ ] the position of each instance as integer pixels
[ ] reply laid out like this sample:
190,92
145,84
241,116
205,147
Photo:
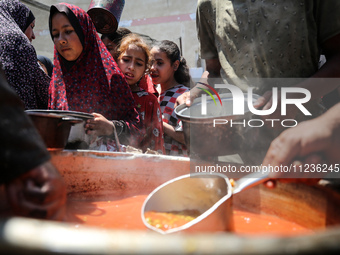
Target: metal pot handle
69,119
250,180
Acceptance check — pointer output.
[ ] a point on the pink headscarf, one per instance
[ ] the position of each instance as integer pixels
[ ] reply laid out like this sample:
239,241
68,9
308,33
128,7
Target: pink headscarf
92,83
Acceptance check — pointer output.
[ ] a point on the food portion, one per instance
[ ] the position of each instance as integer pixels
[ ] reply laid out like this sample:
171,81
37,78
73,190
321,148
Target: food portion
170,220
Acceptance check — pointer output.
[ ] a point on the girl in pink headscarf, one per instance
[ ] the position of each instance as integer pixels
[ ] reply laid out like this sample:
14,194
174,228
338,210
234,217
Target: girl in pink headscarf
86,78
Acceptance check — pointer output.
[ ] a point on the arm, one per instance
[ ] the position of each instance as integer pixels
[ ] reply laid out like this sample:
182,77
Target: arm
170,131
213,67
154,138
310,141
323,81
123,115
205,28
331,69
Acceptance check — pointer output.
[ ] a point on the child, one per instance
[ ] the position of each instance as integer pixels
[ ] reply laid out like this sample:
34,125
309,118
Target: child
87,79
112,42
169,70
133,60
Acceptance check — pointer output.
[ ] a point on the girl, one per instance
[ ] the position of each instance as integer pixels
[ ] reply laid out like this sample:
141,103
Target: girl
133,61
169,70
112,42
87,79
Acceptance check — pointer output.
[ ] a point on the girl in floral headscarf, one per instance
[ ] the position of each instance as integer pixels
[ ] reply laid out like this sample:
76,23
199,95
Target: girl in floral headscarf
18,56
86,78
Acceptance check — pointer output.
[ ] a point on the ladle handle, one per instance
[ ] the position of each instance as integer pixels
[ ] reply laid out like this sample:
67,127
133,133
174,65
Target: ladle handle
250,180
116,138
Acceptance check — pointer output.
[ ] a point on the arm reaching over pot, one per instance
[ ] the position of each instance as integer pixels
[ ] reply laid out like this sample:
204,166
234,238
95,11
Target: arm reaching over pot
33,185
189,97
313,143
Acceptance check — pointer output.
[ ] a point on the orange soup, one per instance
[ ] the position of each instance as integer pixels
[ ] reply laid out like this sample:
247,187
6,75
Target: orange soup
126,214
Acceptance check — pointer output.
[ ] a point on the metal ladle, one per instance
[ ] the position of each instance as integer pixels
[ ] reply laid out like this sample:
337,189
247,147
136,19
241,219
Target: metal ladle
210,194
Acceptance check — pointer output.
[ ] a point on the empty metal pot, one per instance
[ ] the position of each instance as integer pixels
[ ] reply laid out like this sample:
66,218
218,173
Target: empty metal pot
77,137
105,14
53,128
210,194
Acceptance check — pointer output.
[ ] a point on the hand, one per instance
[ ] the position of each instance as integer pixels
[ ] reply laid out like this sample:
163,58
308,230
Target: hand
316,141
39,193
307,138
99,125
189,97
265,102
184,99
302,177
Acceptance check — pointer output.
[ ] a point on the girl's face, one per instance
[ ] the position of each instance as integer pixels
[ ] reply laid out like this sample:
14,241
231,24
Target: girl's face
132,64
111,46
161,70
29,31
65,38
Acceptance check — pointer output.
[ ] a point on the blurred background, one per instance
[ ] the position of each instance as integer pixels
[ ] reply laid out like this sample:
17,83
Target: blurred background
173,20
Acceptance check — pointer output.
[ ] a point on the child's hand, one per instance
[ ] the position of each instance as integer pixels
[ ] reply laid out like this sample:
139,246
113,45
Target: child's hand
99,125
183,99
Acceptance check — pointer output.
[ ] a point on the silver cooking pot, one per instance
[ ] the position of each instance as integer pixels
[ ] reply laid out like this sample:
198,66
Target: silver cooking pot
54,129
203,138
76,137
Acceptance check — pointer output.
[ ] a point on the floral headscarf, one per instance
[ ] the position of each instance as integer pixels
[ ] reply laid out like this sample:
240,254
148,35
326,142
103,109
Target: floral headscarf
93,83
19,58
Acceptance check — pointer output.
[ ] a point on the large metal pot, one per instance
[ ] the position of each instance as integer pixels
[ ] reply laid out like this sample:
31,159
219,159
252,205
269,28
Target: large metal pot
53,128
203,138
108,176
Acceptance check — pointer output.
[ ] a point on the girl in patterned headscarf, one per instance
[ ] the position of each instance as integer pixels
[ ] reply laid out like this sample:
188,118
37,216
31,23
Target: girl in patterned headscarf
86,78
18,56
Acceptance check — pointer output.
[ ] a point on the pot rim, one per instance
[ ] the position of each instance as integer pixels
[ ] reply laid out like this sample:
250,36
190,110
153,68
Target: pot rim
80,115
208,119
61,118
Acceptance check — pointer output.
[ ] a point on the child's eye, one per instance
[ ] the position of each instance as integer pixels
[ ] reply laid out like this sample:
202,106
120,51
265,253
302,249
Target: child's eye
139,64
68,32
55,36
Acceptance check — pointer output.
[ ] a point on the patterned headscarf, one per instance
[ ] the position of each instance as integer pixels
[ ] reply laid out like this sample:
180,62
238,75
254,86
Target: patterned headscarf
92,83
29,19
19,58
